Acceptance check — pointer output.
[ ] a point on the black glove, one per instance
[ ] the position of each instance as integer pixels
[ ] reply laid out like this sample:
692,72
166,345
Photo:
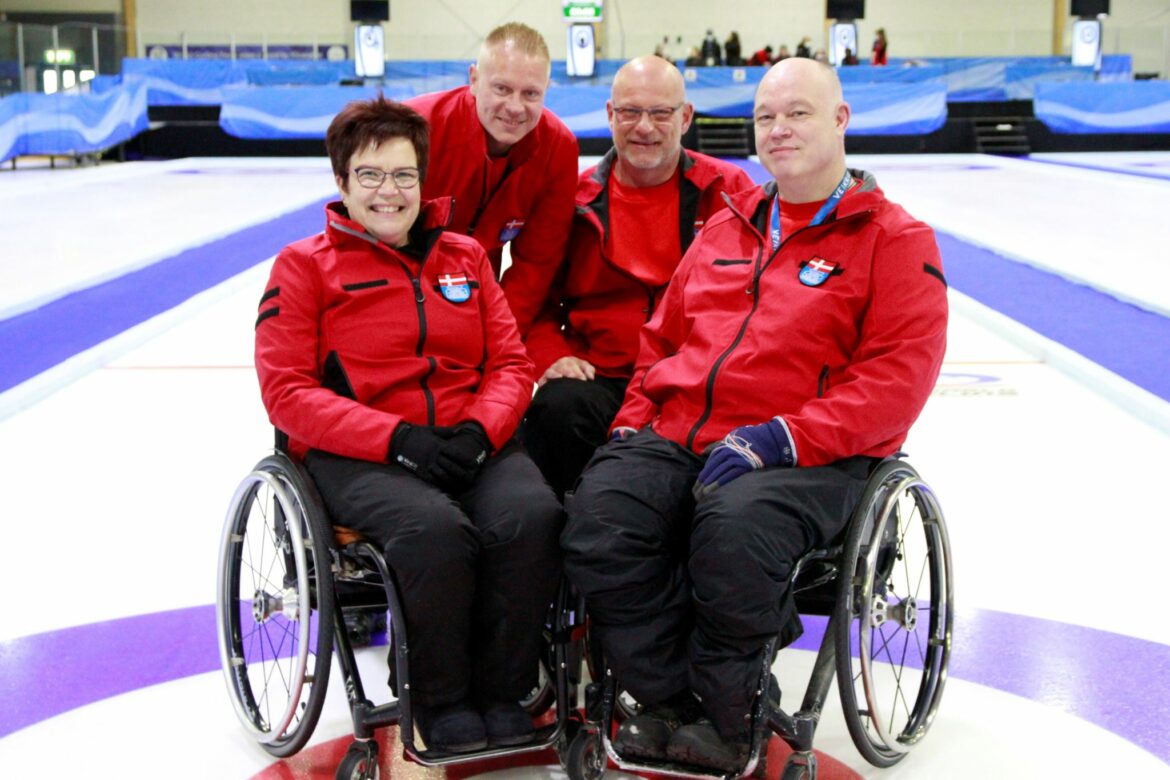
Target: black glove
463,454
416,449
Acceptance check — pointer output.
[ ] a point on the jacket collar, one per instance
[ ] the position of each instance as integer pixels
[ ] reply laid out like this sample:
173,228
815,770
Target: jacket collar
594,187
750,204
433,218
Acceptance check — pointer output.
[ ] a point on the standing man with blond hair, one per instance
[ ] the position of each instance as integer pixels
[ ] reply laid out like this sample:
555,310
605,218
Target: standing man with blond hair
796,344
637,212
508,162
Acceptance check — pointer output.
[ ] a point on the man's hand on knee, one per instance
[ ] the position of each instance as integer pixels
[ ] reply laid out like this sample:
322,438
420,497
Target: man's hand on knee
569,367
744,449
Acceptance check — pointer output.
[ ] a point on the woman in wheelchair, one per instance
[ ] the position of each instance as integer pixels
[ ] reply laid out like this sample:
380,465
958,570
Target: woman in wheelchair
388,355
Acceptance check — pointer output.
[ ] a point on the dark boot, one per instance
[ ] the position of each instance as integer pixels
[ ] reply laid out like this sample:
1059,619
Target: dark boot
451,728
699,744
507,724
646,734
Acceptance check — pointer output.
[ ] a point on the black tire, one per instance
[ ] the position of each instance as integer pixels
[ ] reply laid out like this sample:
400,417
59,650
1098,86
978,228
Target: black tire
274,611
586,759
360,762
543,696
894,614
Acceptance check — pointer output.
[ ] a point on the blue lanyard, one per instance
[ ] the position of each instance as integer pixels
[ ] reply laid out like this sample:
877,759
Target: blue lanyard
823,212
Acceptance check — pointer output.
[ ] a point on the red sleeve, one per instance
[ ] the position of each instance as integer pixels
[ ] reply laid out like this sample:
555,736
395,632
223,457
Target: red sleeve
290,378
896,364
539,249
507,385
546,341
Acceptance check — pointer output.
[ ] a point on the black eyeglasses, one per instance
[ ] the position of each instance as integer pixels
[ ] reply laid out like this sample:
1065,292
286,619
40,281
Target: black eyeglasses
372,178
628,115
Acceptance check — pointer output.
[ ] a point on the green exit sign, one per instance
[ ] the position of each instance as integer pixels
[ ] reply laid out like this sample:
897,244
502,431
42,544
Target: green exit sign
582,10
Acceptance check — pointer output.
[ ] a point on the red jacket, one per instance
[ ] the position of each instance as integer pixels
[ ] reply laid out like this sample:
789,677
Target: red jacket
354,337
532,206
597,301
847,358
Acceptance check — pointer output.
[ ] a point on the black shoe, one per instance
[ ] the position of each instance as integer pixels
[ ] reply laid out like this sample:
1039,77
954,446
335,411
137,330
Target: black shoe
699,744
646,734
507,724
451,728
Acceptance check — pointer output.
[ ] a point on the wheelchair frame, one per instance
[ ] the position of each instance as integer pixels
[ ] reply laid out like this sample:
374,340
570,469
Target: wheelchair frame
296,622
864,569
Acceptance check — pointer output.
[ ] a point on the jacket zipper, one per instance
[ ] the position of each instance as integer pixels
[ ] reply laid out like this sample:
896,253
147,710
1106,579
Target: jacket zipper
422,337
754,291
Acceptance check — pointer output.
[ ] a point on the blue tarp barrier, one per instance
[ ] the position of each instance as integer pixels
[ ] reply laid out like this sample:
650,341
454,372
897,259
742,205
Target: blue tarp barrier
32,123
896,109
184,82
305,112
201,82
290,112
1138,107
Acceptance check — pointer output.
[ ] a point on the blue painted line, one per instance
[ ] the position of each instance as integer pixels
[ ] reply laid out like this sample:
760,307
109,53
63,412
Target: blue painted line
37,340
1129,341
47,674
1103,168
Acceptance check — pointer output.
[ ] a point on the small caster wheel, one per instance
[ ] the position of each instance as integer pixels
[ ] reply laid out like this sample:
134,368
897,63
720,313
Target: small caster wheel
574,725
586,759
360,762
800,766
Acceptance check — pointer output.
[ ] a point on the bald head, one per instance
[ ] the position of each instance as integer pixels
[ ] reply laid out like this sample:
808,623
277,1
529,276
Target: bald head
648,113
811,76
800,118
649,72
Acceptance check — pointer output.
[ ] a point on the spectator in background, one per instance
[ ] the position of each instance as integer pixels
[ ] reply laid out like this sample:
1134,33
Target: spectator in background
762,57
695,58
663,49
850,58
732,50
802,48
820,56
637,212
710,52
880,45
508,162
783,54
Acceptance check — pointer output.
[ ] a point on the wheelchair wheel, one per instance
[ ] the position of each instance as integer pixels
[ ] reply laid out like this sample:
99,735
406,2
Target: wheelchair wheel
893,614
544,695
360,762
585,758
275,605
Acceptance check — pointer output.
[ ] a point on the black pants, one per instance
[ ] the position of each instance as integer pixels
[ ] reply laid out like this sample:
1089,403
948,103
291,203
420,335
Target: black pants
686,595
567,420
476,572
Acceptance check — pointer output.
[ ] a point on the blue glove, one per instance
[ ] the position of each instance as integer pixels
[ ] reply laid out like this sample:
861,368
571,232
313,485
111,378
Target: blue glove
744,449
622,432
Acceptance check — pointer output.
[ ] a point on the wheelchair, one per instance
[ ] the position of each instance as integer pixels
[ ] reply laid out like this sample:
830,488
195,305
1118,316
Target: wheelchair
887,589
280,619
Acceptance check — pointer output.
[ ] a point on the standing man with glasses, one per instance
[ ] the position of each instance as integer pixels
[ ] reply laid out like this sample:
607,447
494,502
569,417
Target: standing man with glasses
798,341
637,212
508,162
